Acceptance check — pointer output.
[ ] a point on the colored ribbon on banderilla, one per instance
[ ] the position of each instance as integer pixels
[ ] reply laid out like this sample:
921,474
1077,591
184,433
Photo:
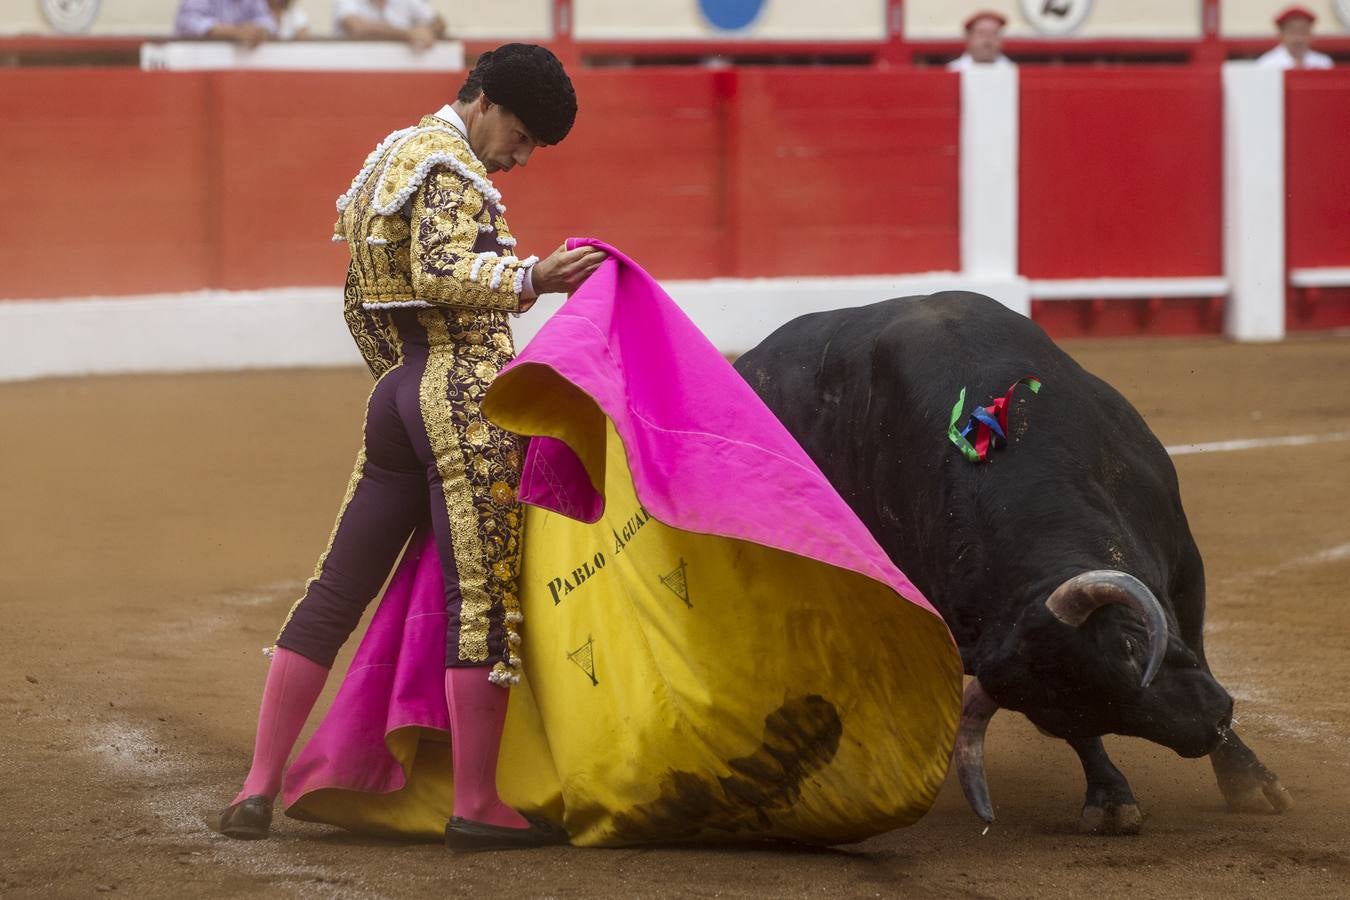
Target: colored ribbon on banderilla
989,423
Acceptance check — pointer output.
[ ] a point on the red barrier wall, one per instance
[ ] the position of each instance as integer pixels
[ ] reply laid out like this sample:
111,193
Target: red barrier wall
137,183
1121,173
105,177
857,172
644,168
123,182
1317,185
287,145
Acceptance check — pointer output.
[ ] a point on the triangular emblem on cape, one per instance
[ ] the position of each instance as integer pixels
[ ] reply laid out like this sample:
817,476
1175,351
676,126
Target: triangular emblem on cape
678,584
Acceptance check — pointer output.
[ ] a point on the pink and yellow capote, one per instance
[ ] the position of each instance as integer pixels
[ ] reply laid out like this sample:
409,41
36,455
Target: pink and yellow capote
714,646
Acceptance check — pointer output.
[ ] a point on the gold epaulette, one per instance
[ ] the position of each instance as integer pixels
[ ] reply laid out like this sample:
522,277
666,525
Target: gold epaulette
411,159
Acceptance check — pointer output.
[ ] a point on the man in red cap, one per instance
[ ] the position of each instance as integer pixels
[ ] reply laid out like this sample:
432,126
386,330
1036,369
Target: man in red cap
1294,51
984,42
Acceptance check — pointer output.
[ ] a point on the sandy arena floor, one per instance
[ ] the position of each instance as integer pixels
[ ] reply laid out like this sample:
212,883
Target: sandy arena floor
156,529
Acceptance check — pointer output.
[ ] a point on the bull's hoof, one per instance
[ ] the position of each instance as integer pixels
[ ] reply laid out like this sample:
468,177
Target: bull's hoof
1255,792
1247,785
1112,818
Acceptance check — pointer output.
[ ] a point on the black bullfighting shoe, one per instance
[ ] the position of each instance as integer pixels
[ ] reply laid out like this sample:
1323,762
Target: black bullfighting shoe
466,834
247,820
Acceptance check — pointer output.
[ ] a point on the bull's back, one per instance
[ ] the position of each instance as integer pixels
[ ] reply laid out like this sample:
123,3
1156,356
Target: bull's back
868,393
861,388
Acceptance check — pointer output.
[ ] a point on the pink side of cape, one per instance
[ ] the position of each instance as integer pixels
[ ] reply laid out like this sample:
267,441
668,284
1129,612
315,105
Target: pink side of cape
705,454
396,680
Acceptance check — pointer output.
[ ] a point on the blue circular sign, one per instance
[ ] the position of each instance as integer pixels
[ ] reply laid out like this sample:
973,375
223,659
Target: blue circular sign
730,15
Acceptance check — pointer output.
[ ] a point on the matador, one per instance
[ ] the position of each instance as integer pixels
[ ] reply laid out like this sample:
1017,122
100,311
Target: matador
433,279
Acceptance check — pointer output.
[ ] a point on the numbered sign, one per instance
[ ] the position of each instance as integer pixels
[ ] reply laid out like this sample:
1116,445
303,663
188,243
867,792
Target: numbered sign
1056,17
69,16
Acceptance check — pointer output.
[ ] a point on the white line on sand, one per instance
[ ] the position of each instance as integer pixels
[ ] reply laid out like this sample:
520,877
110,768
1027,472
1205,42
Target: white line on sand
1293,440
1231,660
1331,554
1327,555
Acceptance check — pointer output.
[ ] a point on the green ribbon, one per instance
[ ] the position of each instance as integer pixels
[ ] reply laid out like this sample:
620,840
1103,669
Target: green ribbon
954,434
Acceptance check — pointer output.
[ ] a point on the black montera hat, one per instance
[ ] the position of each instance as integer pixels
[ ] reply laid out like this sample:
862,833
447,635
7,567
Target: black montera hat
529,80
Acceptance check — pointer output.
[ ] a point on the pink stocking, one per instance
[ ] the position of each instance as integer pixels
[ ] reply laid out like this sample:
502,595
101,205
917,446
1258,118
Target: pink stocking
477,715
293,684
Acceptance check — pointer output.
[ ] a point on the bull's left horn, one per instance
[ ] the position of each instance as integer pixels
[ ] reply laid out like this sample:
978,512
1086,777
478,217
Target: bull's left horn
1076,599
977,708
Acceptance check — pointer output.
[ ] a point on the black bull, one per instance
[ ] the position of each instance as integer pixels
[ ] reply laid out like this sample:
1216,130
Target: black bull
1064,565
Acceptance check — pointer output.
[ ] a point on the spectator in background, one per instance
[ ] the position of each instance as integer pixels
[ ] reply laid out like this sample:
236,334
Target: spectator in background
246,22
291,21
1295,51
413,21
984,42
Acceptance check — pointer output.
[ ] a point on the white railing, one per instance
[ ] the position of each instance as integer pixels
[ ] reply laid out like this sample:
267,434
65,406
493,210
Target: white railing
349,56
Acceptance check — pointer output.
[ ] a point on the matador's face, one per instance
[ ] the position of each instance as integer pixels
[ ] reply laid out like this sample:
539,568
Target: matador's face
498,137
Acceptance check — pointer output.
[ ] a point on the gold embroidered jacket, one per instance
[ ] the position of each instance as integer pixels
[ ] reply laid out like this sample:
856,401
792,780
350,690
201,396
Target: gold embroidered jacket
427,236
426,229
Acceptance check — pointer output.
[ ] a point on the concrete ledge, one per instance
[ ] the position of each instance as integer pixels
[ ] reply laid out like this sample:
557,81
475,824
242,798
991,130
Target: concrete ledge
1320,278
1127,288
174,333
738,314
302,56
285,327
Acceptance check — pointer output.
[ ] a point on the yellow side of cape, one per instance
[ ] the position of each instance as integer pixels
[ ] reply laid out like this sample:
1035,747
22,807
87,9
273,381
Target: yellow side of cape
686,687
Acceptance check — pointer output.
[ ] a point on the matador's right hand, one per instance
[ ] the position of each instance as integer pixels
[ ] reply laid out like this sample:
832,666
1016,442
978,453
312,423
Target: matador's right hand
565,270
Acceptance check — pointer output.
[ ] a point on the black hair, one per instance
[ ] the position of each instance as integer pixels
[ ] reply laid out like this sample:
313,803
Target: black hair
529,81
473,85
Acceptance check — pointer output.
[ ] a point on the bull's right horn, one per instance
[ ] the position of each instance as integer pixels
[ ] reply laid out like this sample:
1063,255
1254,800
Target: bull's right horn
977,708
1076,599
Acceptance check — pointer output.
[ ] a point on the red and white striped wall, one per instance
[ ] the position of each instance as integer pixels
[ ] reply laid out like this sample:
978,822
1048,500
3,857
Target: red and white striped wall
163,221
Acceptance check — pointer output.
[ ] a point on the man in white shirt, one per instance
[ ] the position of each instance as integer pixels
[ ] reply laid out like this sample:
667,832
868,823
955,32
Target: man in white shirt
984,42
413,21
1294,51
292,23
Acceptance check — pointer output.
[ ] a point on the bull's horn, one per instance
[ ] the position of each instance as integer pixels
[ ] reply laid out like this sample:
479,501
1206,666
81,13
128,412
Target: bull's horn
977,708
1074,600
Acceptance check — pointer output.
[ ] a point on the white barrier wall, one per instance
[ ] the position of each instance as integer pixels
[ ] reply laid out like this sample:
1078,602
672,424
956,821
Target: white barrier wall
221,330
778,19
794,20
301,56
1255,18
493,19
464,18
1076,19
